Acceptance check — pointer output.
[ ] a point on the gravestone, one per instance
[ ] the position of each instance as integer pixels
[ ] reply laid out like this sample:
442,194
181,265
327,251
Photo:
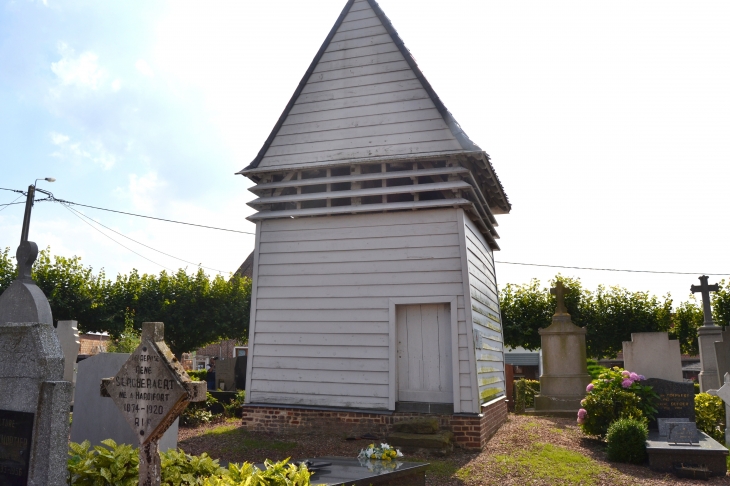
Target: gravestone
707,335
34,398
565,374
676,399
97,418
722,355
663,424
653,355
68,337
231,372
151,390
681,432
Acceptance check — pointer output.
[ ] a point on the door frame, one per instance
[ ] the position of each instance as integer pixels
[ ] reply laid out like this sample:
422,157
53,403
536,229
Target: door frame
392,376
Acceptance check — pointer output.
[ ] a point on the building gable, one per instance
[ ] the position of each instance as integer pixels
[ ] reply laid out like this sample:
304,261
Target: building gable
363,97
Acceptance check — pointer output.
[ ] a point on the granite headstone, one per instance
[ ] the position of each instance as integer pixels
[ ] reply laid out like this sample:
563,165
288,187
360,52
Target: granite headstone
676,399
653,355
97,418
34,398
681,432
663,424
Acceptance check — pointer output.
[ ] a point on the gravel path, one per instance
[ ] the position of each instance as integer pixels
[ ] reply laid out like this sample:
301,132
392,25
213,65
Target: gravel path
516,455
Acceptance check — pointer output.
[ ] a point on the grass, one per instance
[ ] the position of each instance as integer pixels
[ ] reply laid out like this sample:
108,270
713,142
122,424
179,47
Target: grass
234,439
555,464
441,469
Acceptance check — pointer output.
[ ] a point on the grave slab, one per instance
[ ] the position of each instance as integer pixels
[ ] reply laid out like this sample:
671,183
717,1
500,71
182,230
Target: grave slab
653,355
676,399
665,456
97,418
344,471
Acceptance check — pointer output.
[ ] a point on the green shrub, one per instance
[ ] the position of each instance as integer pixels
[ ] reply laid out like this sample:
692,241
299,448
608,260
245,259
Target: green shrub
113,464
615,394
697,388
118,465
594,369
198,375
180,469
626,440
235,405
710,416
198,413
525,391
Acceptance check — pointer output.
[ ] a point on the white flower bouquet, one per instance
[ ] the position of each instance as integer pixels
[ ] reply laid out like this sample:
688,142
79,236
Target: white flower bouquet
382,453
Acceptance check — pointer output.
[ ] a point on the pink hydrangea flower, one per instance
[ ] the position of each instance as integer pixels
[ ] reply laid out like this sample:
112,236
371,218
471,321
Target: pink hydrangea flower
634,377
626,373
626,383
589,388
582,413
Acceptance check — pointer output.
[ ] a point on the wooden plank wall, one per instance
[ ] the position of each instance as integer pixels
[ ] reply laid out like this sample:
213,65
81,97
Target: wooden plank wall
322,298
362,100
487,325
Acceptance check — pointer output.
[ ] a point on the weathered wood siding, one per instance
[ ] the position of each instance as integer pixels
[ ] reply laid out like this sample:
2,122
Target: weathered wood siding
321,311
486,322
362,100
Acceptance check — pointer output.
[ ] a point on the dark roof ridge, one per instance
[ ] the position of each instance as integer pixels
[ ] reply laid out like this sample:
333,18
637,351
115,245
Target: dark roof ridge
453,125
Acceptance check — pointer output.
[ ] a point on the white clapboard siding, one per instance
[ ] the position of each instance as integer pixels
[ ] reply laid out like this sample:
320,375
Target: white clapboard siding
486,322
361,100
323,293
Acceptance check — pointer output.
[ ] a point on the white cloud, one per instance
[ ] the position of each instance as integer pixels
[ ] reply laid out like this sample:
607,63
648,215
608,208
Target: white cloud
144,68
58,138
81,71
142,190
116,85
93,151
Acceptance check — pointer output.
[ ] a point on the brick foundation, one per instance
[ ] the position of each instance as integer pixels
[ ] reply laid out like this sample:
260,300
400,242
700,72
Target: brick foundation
471,431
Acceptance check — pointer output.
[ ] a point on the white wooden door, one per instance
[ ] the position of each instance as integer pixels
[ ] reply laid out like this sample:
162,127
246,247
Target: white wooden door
423,333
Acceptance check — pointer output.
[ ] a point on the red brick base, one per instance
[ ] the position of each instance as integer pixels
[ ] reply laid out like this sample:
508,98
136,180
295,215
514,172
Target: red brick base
471,431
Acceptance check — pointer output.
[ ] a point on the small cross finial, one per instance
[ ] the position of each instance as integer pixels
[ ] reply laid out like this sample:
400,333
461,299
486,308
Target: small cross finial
704,288
559,292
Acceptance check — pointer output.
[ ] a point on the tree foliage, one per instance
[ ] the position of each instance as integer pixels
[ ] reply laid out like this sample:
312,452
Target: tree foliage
610,314
196,309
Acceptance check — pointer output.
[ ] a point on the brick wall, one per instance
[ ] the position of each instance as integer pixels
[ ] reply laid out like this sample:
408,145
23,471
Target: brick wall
470,431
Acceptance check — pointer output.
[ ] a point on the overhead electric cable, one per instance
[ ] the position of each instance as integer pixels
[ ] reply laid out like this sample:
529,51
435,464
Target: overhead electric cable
12,190
152,217
115,241
139,243
611,269
10,204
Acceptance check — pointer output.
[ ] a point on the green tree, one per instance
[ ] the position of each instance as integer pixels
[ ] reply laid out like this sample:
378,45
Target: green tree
721,305
687,319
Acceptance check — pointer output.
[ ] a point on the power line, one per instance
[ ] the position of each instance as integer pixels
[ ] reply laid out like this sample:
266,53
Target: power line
115,241
152,217
5,206
612,269
139,243
12,190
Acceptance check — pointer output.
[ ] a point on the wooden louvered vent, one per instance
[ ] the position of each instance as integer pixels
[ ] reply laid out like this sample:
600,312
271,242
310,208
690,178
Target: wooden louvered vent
375,187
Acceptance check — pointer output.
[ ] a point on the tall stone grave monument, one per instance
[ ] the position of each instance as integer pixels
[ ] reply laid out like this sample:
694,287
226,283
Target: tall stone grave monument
151,390
565,374
68,337
722,355
34,398
708,334
653,355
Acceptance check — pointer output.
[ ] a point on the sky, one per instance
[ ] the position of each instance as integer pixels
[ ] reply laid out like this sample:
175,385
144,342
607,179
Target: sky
607,123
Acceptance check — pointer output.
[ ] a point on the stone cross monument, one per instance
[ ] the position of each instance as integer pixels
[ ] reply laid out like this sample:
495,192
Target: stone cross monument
707,335
151,390
34,398
565,373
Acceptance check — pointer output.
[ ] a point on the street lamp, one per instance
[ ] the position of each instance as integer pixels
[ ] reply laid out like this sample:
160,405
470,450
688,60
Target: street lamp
29,205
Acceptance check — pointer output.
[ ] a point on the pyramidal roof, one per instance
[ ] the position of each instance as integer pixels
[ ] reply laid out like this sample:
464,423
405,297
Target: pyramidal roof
363,97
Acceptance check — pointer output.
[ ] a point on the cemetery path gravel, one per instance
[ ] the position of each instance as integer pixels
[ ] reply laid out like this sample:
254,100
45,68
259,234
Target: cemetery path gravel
525,451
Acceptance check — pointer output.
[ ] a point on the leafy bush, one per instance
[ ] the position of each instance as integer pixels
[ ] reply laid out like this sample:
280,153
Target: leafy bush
118,465
525,391
235,405
626,440
113,464
615,394
594,369
180,469
198,413
198,375
697,388
710,416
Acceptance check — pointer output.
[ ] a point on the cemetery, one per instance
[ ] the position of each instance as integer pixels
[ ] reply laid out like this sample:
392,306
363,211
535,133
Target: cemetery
368,345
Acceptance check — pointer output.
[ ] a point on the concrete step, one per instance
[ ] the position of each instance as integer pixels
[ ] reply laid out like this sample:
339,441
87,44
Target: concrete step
417,426
441,442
